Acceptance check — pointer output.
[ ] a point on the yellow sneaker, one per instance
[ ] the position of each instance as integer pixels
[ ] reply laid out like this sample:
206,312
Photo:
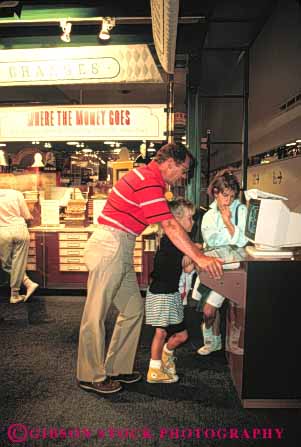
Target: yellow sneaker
168,363
155,375
14,299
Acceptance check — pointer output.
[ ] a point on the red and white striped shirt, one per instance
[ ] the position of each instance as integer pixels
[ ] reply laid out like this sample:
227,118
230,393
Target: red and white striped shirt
136,200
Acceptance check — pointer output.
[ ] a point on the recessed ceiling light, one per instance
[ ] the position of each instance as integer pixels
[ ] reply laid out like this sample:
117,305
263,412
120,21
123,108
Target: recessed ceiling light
72,143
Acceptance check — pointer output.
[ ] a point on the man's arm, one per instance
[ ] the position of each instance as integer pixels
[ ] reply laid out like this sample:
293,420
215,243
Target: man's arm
181,240
23,207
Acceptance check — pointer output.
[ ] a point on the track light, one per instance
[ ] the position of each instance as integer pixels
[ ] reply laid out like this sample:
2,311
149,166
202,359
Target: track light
107,24
66,28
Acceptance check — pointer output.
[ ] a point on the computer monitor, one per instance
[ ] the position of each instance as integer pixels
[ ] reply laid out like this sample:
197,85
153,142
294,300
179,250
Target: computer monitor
272,227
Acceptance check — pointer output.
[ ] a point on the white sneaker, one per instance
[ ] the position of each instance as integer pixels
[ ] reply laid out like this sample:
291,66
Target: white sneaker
14,299
211,343
214,345
30,289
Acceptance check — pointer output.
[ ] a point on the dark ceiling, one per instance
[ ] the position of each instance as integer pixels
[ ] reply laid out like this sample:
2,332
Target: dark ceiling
218,23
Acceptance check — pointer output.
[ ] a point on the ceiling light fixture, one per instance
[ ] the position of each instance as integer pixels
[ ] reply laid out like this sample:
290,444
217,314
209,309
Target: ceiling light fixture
66,28
38,161
107,25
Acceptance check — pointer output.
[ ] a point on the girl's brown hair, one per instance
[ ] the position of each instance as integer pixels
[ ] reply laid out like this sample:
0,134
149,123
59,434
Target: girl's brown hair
224,179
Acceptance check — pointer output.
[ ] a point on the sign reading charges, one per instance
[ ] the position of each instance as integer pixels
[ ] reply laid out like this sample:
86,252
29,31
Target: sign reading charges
48,66
60,123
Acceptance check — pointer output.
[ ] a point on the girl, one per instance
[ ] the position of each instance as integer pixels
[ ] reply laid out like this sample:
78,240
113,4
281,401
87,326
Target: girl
223,224
164,306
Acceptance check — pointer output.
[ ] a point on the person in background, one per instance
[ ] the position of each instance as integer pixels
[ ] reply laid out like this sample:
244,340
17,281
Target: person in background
164,308
143,157
14,243
223,224
135,201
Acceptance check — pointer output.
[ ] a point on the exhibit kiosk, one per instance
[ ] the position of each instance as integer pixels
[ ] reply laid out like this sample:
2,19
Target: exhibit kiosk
263,288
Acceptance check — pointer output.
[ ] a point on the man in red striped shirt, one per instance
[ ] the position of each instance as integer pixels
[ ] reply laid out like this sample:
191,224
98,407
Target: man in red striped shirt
136,201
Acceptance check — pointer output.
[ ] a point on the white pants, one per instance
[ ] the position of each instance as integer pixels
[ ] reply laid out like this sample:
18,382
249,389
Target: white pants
214,298
14,245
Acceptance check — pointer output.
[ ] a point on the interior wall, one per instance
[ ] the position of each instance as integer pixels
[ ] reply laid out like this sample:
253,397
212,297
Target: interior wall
275,77
281,177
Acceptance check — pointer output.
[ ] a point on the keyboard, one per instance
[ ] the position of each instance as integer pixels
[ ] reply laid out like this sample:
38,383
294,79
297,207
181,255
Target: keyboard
231,266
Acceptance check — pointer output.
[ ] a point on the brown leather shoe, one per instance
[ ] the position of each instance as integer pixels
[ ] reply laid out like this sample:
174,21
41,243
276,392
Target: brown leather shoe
108,386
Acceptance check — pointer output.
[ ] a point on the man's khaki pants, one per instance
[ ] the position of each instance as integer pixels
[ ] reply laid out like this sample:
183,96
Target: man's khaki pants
14,245
112,279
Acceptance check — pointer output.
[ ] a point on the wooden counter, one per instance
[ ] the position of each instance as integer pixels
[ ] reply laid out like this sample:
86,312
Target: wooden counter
263,341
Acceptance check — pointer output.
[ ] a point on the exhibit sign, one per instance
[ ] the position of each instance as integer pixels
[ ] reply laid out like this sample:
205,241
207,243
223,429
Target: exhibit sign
78,65
50,212
93,122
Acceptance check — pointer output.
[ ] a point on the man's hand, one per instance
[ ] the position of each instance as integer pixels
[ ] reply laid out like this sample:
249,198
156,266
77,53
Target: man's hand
178,236
211,265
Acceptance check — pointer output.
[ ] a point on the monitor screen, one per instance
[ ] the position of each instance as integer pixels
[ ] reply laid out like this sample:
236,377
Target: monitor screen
252,217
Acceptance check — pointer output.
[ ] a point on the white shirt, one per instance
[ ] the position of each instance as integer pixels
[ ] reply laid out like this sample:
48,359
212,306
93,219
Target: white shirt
214,231
13,208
